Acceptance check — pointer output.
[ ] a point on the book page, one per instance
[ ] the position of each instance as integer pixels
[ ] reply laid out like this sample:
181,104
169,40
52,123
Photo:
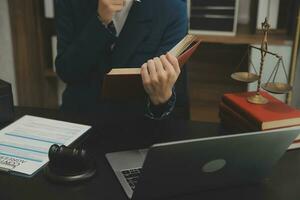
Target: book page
183,45
125,71
24,144
188,42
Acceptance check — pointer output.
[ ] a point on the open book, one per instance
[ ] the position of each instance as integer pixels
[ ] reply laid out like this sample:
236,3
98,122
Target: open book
123,84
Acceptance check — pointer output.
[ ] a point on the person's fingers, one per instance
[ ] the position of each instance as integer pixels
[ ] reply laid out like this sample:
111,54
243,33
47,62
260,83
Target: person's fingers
161,73
152,72
168,66
146,78
145,74
173,60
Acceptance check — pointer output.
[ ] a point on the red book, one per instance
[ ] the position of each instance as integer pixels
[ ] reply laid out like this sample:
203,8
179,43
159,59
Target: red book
274,114
231,126
188,52
236,119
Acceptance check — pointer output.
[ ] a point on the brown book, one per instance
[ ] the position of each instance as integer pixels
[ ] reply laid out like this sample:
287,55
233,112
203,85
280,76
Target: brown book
125,84
123,87
275,114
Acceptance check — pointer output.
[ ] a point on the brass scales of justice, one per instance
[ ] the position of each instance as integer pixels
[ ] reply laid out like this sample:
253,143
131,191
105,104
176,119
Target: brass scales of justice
271,86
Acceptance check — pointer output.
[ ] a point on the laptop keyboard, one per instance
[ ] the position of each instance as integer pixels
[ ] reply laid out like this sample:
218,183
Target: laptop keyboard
132,176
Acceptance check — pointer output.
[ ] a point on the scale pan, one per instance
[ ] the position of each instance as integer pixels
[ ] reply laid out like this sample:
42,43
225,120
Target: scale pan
277,88
244,77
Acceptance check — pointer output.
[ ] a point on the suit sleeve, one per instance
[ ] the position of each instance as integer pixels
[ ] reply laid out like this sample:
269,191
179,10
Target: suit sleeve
79,55
175,30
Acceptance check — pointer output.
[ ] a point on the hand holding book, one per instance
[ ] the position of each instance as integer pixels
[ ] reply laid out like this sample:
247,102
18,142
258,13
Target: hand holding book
159,76
118,80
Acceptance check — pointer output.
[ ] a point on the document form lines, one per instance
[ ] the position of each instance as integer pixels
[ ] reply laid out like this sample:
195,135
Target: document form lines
65,130
45,133
24,149
23,153
31,138
20,157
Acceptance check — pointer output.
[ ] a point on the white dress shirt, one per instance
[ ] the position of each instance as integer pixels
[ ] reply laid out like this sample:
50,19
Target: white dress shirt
119,18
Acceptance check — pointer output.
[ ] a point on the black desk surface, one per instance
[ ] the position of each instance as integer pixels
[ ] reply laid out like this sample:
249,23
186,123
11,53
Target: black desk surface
115,132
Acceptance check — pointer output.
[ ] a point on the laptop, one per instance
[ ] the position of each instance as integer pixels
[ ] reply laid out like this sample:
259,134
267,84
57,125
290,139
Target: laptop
184,167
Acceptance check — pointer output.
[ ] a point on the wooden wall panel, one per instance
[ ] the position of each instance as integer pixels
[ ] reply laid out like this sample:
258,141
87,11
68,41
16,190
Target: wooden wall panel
209,78
31,54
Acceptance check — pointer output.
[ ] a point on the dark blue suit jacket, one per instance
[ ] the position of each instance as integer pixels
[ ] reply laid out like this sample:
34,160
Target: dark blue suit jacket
152,28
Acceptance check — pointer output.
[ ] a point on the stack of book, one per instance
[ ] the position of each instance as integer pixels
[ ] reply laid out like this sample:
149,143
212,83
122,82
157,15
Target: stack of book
238,115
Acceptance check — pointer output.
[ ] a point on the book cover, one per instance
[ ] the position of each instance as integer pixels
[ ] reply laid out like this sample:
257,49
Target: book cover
235,118
125,87
230,127
185,56
185,48
275,114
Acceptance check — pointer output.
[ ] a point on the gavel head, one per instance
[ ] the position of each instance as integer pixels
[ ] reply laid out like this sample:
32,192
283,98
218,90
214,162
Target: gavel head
63,155
69,164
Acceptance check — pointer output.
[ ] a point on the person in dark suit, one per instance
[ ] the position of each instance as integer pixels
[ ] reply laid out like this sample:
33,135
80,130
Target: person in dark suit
96,35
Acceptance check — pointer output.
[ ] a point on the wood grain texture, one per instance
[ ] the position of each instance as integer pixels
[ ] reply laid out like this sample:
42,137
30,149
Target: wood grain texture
244,36
209,78
31,42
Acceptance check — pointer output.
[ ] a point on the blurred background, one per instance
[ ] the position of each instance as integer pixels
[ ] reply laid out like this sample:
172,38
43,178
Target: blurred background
227,28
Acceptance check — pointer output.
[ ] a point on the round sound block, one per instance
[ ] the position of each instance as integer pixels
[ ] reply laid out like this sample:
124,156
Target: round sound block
70,177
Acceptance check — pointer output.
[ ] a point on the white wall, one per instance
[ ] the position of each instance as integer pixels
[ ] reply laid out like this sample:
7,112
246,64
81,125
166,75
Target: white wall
270,62
7,70
244,11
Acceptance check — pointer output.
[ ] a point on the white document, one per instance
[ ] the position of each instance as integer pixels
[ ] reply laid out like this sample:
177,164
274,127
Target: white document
24,144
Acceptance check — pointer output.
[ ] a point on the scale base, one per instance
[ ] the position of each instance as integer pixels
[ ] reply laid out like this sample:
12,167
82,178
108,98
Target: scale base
257,99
